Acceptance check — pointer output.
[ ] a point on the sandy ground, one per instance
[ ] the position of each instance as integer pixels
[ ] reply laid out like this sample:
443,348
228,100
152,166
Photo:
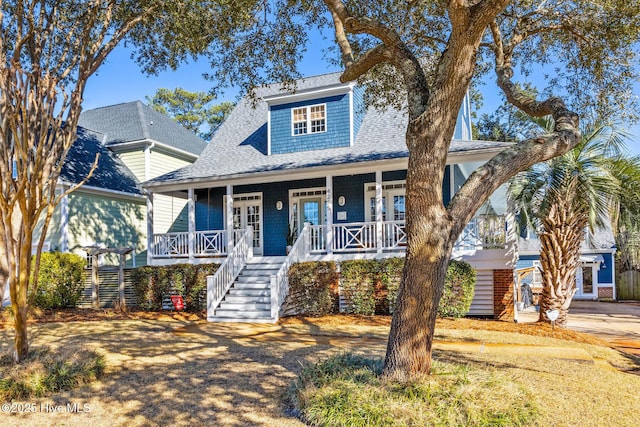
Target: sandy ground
616,323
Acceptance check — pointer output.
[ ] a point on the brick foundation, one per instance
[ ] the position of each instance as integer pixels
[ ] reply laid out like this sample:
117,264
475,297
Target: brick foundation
605,292
503,294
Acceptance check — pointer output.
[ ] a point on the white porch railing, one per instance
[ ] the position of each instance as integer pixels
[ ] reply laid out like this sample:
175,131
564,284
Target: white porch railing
210,243
206,243
483,232
173,245
394,235
221,281
280,281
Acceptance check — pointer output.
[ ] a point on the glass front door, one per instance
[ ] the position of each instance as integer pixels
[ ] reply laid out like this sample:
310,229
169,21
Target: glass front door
310,211
585,280
249,213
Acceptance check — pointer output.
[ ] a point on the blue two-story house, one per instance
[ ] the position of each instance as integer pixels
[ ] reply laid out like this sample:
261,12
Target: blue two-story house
310,175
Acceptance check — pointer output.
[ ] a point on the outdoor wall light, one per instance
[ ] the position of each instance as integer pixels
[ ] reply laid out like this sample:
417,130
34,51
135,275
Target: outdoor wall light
279,205
341,201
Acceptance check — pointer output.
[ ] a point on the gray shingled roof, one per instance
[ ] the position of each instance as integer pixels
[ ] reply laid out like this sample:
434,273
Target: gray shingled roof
602,238
240,145
135,121
111,173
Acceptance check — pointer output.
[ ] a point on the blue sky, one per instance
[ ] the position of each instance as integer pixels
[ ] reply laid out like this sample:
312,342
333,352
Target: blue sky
120,80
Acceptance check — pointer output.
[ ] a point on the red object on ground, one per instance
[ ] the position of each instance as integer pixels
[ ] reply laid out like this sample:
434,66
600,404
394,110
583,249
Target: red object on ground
178,302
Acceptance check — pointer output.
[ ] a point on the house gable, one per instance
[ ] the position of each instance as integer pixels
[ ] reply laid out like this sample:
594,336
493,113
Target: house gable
314,119
337,125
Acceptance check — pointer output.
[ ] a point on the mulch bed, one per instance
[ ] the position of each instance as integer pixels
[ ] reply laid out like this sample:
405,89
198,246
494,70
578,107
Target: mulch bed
93,315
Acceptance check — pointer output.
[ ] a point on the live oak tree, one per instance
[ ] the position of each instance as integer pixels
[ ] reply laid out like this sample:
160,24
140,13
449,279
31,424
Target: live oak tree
423,56
193,110
455,36
48,50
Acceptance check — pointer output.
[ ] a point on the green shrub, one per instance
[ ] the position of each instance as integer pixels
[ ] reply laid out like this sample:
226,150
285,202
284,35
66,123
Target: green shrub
359,280
371,286
348,390
313,288
44,373
393,273
59,280
458,290
154,283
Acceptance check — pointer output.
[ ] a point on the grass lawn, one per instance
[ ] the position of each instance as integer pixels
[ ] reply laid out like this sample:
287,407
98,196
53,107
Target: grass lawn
164,370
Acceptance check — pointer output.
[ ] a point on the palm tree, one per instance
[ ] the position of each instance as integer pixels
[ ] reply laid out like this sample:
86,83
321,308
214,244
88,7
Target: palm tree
558,199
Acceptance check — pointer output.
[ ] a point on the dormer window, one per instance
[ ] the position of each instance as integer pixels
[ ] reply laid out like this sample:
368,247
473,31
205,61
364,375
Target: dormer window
310,119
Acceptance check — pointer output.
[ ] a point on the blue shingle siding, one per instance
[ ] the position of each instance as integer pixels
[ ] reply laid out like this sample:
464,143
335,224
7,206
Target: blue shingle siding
275,222
446,186
605,272
394,175
337,126
359,109
352,188
463,131
209,209
458,178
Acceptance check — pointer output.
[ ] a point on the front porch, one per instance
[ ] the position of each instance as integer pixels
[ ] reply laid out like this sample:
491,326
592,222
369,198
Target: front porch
256,223
383,237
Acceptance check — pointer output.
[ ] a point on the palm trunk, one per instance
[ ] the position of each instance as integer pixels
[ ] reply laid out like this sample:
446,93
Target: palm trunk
559,258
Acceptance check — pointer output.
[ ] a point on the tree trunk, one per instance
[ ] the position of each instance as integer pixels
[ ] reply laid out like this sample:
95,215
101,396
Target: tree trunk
19,295
429,245
563,233
21,341
414,319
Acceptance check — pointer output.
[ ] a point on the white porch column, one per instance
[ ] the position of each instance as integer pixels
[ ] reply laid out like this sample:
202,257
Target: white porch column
191,206
378,211
229,217
329,199
613,275
150,248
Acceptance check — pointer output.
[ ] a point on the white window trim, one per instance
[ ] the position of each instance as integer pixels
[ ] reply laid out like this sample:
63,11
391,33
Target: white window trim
389,189
595,267
308,110
305,193
240,199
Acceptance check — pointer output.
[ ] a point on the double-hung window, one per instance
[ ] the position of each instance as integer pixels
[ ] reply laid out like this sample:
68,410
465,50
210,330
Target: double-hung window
310,119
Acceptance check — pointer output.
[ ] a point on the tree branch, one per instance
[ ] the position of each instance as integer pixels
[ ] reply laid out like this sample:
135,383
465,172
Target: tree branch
487,178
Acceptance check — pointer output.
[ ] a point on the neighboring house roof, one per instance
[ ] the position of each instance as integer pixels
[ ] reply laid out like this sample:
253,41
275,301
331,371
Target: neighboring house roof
135,121
602,239
111,173
239,147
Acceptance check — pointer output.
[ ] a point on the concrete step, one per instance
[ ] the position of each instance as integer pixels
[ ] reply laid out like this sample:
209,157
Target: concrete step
267,259
253,279
249,292
251,285
244,306
272,265
244,314
251,271
238,299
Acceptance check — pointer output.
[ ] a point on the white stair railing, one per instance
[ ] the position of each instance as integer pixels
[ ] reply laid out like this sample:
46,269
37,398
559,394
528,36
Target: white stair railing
280,281
221,281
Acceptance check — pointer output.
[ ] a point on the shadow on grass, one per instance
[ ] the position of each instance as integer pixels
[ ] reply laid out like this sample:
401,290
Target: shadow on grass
182,373
175,373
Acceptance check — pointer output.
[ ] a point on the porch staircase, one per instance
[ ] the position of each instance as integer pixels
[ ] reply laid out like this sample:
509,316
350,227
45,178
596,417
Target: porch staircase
249,298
